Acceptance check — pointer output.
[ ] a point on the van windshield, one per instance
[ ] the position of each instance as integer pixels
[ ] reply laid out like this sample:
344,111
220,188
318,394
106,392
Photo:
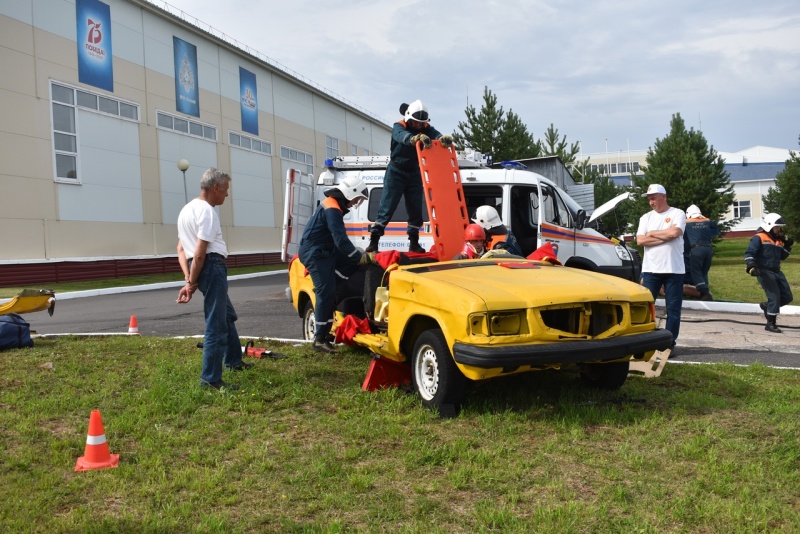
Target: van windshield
400,214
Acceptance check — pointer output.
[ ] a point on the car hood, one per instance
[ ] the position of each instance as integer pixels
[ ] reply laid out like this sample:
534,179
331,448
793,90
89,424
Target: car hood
515,284
608,206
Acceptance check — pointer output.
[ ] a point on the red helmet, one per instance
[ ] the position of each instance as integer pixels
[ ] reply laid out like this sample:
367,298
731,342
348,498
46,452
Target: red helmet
474,232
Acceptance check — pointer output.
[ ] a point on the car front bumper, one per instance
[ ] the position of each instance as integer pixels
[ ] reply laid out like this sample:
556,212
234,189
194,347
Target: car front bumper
565,352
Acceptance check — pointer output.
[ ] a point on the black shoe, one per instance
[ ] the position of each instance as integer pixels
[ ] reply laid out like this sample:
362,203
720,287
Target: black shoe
763,306
706,296
219,385
772,327
373,243
241,366
673,352
323,346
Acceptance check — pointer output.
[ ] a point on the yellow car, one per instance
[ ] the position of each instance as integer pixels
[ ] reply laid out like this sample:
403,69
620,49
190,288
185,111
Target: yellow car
460,321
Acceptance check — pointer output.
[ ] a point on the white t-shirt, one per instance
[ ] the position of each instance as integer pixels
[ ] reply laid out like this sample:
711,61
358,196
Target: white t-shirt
666,257
196,220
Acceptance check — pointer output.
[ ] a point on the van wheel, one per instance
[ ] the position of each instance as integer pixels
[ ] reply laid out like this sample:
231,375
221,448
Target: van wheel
436,377
309,322
604,375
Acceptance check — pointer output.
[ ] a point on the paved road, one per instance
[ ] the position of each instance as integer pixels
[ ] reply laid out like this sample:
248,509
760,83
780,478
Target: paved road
260,303
707,334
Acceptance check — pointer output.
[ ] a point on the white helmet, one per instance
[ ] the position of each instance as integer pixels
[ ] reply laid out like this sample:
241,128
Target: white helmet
771,220
693,211
353,187
417,111
487,217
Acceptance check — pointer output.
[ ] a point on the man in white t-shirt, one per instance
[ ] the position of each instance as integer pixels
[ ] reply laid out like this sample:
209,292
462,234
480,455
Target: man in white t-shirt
201,254
661,234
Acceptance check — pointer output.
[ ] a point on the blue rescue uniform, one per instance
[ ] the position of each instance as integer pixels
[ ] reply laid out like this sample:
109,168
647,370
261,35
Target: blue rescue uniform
766,253
326,251
403,177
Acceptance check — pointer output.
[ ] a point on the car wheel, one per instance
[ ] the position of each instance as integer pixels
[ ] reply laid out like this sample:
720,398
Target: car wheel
604,375
309,322
436,377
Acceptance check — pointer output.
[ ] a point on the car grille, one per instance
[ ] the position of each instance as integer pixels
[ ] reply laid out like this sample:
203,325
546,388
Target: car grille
588,319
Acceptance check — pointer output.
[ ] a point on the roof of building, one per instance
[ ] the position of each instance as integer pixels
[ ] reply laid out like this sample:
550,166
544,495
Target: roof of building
753,171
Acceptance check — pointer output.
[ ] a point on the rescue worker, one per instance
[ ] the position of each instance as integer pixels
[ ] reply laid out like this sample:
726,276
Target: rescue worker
402,178
498,236
474,243
763,259
697,240
326,251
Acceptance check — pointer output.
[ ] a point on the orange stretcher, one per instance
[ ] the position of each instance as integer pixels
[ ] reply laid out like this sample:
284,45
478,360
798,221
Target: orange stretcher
30,300
447,208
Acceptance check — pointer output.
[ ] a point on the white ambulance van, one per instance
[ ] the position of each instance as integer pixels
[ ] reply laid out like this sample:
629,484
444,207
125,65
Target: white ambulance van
532,206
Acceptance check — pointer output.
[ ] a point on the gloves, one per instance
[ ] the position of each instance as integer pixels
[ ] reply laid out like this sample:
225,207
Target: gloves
446,140
426,141
752,270
788,242
366,258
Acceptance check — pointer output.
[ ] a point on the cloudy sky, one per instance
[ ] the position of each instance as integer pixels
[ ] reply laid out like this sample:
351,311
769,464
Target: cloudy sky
608,74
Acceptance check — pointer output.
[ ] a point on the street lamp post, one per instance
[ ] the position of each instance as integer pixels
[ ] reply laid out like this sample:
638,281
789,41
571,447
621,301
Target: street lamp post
183,166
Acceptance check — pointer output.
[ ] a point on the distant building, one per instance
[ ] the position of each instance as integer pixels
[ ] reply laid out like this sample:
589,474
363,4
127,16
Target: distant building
752,172
92,133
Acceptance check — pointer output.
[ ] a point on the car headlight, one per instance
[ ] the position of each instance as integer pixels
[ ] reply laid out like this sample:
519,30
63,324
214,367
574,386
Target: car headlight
623,253
505,323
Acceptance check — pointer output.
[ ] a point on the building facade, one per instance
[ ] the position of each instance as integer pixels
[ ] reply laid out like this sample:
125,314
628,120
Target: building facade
101,100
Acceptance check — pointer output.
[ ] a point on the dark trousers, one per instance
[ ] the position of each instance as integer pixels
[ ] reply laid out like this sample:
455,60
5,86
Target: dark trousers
673,297
777,289
396,184
699,265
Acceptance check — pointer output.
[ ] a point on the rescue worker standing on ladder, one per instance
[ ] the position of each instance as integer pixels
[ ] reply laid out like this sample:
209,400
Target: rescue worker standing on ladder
403,175
763,259
697,237
325,246
497,235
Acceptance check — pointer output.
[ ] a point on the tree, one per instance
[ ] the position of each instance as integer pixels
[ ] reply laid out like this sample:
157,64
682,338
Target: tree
553,146
784,198
491,132
690,170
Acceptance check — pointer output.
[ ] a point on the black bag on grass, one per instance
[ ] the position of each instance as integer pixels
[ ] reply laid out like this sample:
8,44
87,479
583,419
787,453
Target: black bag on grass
15,332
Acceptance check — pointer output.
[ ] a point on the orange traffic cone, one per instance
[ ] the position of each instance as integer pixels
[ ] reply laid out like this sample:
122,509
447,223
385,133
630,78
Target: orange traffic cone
96,455
133,326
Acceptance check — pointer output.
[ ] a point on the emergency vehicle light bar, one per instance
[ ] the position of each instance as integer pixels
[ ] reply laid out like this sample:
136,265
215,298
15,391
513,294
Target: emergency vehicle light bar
466,160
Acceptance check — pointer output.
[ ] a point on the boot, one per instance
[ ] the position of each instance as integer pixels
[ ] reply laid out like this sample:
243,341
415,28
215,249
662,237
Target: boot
414,244
373,242
763,306
705,295
322,345
771,326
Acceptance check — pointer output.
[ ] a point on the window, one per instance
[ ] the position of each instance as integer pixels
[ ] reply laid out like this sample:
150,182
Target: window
305,160
331,147
249,143
635,166
354,150
186,126
741,209
65,102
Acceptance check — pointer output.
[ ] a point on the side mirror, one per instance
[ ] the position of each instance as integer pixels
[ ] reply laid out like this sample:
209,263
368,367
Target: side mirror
581,219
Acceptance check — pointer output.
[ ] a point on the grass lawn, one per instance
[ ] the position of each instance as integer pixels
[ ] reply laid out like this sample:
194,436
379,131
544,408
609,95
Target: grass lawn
300,448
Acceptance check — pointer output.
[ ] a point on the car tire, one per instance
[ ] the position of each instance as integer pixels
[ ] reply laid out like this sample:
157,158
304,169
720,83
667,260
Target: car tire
436,378
309,322
604,375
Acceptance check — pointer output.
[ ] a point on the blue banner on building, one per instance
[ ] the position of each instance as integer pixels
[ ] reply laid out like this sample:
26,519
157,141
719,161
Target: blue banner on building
187,90
248,95
95,60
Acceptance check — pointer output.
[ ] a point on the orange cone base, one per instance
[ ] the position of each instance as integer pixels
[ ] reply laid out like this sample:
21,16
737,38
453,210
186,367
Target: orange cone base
385,373
85,465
